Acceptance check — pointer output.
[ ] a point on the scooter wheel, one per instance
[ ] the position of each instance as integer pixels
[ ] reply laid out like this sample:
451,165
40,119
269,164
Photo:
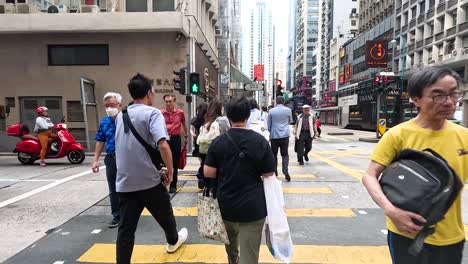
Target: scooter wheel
25,158
76,156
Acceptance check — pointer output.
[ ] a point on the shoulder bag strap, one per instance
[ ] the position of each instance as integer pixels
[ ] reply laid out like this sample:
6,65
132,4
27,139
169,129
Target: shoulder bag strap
152,152
241,154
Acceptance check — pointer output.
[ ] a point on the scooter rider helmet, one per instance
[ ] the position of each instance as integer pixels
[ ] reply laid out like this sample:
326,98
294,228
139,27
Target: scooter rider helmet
40,110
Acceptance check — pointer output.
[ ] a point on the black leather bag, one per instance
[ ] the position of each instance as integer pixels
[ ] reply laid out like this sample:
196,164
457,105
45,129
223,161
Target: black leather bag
421,182
154,153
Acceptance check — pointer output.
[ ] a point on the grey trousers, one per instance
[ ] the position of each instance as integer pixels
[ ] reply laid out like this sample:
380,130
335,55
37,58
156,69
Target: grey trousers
248,236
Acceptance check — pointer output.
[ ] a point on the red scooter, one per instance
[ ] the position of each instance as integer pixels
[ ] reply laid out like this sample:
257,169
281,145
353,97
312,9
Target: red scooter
29,148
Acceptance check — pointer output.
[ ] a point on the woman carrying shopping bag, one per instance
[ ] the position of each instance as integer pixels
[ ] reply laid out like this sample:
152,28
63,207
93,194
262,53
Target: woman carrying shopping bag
234,166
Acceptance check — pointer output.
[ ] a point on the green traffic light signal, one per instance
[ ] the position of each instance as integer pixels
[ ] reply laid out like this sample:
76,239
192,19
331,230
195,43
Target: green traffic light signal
194,83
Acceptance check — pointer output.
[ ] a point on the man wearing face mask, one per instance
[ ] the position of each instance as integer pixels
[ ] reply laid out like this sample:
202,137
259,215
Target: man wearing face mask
106,137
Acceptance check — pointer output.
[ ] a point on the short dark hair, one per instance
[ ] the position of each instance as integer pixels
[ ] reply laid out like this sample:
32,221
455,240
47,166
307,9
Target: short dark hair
280,100
139,85
264,108
426,77
238,110
253,104
170,95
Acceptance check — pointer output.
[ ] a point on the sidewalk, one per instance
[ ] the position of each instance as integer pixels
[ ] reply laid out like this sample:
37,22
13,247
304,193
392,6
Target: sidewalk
364,136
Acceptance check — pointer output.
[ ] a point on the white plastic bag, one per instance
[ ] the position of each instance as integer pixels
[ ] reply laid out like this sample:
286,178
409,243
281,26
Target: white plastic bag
278,235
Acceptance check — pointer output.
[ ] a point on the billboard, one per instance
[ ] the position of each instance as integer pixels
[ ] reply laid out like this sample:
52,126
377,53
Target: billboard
259,72
376,54
347,73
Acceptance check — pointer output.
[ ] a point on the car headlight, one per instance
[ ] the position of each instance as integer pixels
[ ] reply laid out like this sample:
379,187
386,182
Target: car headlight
64,126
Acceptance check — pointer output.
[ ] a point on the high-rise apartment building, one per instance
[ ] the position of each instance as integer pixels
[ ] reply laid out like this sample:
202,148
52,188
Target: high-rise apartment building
291,52
258,41
372,12
338,23
307,36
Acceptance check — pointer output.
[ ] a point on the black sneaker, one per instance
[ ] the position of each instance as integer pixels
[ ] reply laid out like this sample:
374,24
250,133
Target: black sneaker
114,223
172,190
306,158
287,176
301,163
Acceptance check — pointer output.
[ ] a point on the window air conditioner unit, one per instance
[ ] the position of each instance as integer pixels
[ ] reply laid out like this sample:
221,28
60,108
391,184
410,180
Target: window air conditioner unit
7,8
465,50
89,9
26,9
54,9
454,53
218,32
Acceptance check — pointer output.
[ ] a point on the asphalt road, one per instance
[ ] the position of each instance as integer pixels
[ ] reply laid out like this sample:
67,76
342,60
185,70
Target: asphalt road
59,214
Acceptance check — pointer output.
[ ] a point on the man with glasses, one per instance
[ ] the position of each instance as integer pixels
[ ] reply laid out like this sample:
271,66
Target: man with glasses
435,91
175,122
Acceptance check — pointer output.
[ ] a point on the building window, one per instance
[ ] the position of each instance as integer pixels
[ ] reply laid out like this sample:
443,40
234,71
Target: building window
353,23
78,55
10,101
353,11
75,111
163,5
136,6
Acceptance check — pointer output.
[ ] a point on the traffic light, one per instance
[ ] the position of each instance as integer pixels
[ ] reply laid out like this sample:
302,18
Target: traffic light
194,83
179,81
279,89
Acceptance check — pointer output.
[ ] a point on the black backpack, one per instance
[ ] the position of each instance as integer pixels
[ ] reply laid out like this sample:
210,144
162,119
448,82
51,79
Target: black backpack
421,182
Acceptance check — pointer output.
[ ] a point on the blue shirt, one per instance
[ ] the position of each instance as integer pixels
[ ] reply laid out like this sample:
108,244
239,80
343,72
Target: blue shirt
279,119
106,133
135,170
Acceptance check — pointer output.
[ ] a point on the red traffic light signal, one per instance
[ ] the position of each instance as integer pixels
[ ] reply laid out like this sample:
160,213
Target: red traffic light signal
279,82
386,79
377,79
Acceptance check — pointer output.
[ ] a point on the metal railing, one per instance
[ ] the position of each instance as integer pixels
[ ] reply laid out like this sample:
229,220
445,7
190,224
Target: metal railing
451,31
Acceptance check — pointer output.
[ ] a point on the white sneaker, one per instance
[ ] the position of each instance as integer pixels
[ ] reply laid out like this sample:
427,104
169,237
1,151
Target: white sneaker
183,234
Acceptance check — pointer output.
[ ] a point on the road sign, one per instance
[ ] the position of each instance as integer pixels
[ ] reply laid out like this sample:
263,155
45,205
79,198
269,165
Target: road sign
381,127
254,86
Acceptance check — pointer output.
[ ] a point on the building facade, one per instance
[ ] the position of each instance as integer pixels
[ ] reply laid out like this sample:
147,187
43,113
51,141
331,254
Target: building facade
68,61
257,46
373,12
429,33
291,53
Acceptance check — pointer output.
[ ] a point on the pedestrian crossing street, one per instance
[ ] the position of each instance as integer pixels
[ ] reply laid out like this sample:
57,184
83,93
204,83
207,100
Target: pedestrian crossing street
305,187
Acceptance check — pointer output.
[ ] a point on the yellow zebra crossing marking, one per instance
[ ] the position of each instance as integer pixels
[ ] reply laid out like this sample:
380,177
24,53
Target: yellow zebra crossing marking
192,189
307,212
209,253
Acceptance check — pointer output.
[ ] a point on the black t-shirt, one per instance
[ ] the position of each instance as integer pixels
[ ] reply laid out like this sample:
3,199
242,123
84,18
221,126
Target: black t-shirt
240,186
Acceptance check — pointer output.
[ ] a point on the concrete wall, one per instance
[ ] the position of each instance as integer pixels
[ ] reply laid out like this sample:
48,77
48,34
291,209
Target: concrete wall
24,69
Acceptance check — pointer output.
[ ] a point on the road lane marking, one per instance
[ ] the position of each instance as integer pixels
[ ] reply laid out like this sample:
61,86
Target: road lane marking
210,253
192,189
338,166
337,138
193,177
307,212
384,231
59,262
25,180
362,212
46,187
96,231
346,154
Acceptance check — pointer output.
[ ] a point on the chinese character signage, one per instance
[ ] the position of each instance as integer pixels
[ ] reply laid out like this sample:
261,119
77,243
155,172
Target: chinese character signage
376,54
342,52
259,72
347,73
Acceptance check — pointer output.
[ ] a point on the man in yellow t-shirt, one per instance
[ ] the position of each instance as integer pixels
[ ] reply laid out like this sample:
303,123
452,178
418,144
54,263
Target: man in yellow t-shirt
435,91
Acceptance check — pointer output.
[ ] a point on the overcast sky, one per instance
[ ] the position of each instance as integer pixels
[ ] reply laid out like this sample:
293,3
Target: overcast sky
280,18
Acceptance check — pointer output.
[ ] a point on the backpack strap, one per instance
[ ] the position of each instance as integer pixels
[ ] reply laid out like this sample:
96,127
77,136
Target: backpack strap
241,154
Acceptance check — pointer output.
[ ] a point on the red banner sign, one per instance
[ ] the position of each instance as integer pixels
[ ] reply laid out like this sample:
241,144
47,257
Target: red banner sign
259,72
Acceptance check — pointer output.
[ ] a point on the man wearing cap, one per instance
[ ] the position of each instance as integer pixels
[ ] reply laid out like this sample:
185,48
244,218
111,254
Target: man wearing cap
305,125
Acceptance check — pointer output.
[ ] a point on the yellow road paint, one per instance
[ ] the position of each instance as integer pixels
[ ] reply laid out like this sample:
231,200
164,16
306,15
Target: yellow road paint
285,190
338,166
337,138
209,253
299,176
308,212
193,177
347,153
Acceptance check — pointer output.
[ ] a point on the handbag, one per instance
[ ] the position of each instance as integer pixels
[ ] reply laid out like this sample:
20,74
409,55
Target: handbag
207,136
183,157
421,182
154,153
210,221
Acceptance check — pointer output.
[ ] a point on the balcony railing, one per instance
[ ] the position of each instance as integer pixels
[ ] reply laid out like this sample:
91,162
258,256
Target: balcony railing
421,19
419,44
410,47
463,26
439,36
397,32
441,7
451,31
430,13
398,10
405,5
413,1
429,40
412,23
452,3
404,28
